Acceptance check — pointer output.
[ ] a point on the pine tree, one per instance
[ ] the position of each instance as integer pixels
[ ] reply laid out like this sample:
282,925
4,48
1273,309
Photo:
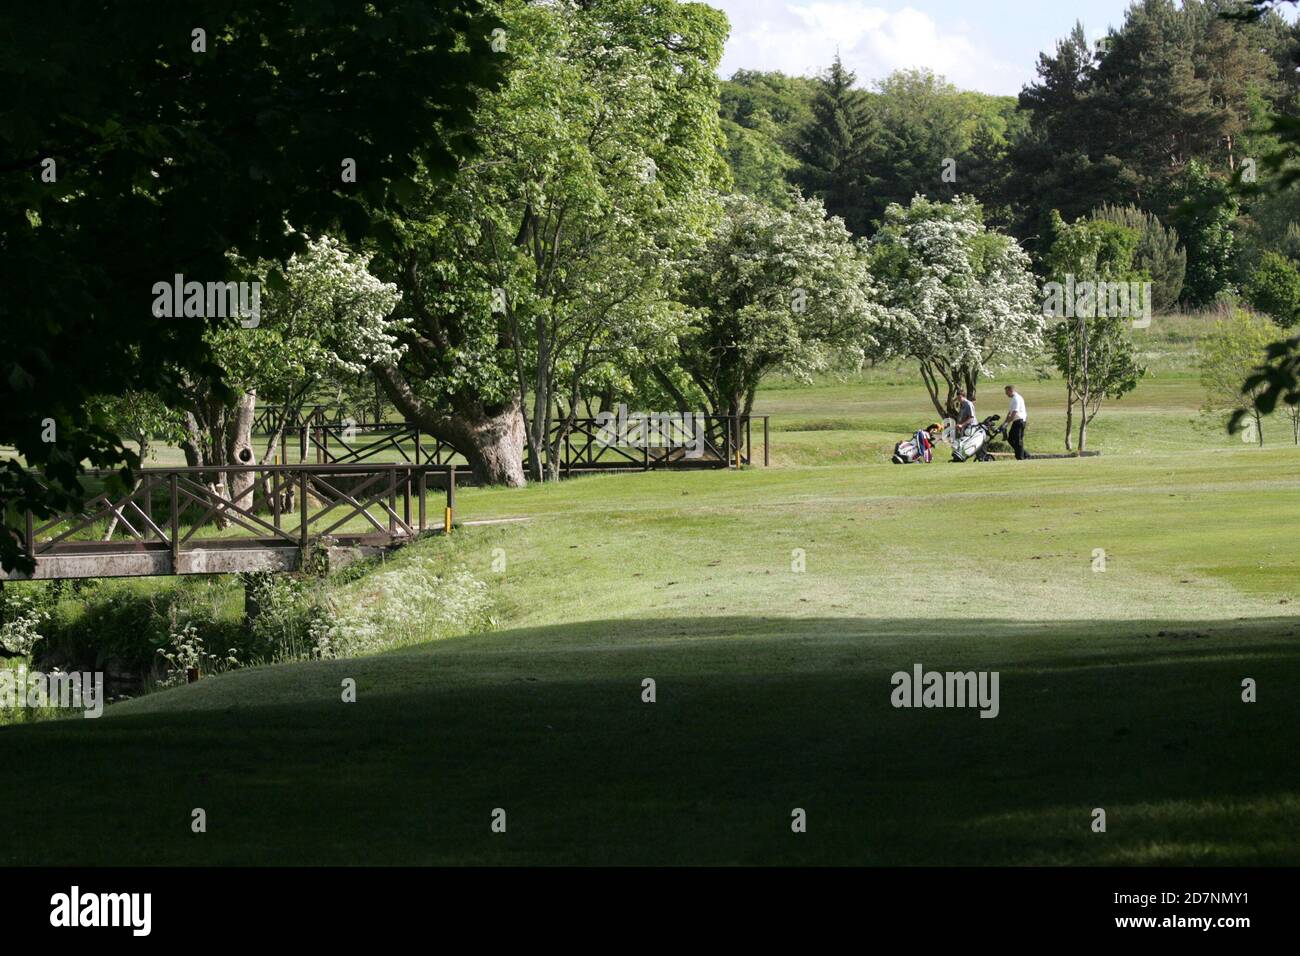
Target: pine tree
832,146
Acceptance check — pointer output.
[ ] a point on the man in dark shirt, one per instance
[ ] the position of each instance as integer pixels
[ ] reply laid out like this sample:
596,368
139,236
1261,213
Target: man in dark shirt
965,412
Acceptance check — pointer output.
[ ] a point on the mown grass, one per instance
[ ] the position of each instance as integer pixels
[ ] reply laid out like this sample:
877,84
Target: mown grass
1119,690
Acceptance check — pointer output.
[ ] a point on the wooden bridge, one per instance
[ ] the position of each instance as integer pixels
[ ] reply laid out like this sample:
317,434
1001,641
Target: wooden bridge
265,518
583,443
352,500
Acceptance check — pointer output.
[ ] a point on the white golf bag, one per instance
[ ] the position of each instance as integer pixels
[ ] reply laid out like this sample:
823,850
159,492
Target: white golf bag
972,444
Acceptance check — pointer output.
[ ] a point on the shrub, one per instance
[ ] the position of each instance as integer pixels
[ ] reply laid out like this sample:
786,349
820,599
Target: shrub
1274,288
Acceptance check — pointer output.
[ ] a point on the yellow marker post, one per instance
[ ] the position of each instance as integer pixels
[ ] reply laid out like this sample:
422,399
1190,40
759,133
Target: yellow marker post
451,500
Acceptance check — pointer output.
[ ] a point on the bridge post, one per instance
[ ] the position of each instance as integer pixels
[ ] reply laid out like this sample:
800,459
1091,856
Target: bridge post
302,513
175,519
406,498
421,481
451,500
392,502
275,498
30,536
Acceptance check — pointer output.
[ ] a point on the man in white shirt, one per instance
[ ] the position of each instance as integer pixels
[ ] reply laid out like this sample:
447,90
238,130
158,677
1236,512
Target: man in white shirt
1017,417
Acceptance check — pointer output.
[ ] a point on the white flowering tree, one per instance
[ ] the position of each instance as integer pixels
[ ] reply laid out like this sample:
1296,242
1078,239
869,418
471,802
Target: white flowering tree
774,289
957,296
323,317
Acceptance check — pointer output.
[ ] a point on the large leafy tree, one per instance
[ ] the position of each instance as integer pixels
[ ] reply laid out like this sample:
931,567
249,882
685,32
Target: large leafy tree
135,147
957,295
773,289
763,117
552,251
1204,211
930,138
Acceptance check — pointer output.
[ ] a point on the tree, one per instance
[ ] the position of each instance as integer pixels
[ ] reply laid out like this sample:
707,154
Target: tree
759,165
956,295
1158,253
932,139
552,251
1274,288
773,288
1174,85
831,149
1204,213
1277,377
141,417
763,116
1090,348
1096,358
140,141
1055,166
323,318
1229,354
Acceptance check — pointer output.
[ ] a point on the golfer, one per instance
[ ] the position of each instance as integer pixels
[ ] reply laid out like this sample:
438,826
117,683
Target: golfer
1017,418
965,412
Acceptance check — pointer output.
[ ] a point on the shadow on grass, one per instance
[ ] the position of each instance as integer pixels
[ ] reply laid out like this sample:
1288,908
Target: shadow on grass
754,717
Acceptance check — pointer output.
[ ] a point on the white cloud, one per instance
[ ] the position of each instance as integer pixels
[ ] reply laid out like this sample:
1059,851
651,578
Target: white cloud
802,36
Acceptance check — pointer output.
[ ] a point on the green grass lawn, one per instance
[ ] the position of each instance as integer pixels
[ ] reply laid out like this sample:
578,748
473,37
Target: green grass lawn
1118,690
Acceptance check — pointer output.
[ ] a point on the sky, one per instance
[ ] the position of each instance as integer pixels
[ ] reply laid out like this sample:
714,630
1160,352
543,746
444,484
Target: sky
986,45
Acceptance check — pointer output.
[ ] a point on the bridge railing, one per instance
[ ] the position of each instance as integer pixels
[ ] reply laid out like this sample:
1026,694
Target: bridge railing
584,444
659,441
267,418
355,443
180,509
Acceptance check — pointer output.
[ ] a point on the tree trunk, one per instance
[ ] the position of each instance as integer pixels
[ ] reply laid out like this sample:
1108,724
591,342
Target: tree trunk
944,406
491,437
970,379
1069,424
239,450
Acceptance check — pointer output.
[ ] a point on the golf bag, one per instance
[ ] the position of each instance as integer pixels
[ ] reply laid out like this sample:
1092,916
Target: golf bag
973,443
916,448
